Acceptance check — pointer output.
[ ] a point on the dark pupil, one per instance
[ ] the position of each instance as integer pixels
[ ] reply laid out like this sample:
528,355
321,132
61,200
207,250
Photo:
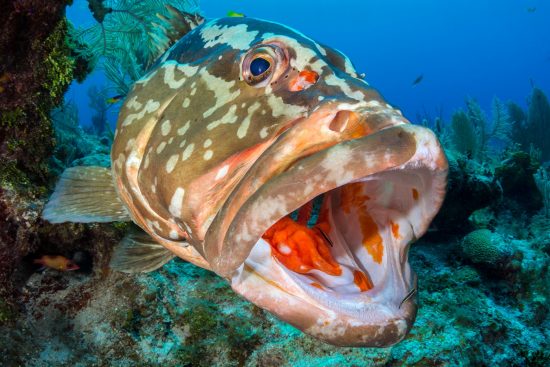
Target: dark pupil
259,66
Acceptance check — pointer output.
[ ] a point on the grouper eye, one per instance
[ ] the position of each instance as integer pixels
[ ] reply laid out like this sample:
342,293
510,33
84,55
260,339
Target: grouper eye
259,66
262,64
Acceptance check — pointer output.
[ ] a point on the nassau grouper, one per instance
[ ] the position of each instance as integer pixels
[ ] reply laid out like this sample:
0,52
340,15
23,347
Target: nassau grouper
255,152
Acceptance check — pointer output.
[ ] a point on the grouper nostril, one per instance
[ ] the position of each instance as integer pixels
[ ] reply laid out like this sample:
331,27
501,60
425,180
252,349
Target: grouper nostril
340,121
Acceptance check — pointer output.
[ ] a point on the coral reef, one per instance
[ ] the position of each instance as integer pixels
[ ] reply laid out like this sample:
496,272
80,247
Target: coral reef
515,175
532,128
182,315
470,188
485,247
542,180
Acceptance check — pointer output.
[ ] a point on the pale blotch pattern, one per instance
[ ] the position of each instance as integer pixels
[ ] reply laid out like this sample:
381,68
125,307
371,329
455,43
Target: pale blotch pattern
165,128
304,55
333,80
176,202
161,147
182,144
134,104
222,172
229,118
243,129
207,143
263,132
187,152
150,107
130,144
171,164
280,108
222,92
170,71
186,102
174,235
237,37
208,155
182,130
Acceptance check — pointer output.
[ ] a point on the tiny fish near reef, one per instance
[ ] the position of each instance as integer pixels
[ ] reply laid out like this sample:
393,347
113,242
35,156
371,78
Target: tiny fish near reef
56,262
255,152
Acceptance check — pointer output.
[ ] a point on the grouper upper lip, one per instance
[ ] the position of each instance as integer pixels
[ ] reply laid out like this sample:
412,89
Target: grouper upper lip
236,228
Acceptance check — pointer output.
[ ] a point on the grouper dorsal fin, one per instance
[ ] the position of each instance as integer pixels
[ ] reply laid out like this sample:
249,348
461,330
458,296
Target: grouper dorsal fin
85,195
139,253
173,27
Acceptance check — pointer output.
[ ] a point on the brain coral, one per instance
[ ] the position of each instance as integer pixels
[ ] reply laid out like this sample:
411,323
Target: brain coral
484,247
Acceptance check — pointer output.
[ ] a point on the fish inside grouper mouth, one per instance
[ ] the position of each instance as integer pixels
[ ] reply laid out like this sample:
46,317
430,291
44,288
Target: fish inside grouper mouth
253,151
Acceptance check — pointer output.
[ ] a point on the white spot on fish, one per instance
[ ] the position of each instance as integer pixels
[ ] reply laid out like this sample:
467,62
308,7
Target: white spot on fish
284,249
207,143
237,37
174,235
243,129
120,161
171,164
222,172
208,155
263,133
229,118
187,152
134,104
279,108
182,144
177,202
170,71
222,92
165,128
161,147
182,130
186,102
130,144
333,80
150,107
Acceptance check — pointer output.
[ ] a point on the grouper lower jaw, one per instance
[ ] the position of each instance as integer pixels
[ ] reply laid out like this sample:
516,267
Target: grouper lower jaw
380,193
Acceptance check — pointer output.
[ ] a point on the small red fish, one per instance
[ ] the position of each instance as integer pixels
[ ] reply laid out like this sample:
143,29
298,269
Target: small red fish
57,262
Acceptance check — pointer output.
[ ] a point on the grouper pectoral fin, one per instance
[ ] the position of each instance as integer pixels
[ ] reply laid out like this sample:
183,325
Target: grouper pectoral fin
139,253
85,195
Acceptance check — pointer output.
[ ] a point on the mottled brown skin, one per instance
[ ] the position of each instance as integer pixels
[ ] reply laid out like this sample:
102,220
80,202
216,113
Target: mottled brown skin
206,160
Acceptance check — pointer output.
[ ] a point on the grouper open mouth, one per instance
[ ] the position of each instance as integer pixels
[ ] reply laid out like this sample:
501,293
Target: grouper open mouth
323,243
251,150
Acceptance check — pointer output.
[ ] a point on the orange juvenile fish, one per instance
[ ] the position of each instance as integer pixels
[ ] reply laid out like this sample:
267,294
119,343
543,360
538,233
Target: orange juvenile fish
57,262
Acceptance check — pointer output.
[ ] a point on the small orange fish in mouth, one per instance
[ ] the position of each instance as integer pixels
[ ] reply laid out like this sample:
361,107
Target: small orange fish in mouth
255,152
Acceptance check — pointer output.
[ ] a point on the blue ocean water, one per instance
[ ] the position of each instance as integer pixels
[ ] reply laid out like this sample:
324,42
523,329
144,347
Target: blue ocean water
470,48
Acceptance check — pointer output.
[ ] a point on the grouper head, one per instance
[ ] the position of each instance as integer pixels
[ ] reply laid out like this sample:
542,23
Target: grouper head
255,152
